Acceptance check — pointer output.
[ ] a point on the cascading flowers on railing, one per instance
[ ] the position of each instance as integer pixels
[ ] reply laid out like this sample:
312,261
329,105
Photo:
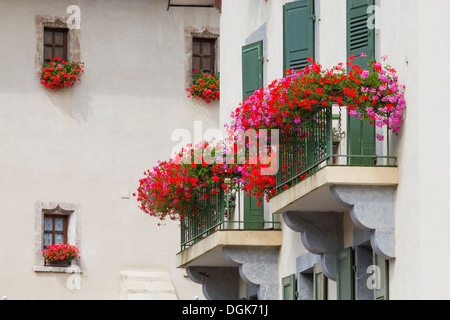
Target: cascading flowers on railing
372,95
170,189
206,86
58,74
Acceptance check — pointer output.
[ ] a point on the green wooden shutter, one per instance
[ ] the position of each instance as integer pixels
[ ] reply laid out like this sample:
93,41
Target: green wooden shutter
289,287
381,293
252,68
320,283
360,39
345,279
298,33
253,215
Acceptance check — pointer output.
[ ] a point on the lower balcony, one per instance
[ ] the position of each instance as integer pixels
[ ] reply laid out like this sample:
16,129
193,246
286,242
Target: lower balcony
231,247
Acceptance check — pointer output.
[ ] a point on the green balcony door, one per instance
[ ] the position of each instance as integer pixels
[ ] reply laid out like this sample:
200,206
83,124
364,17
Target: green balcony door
360,39
253,215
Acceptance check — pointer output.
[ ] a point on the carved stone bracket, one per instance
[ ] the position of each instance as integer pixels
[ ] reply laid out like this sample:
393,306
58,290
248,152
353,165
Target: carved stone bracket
321,234
372,208
258,266
219,283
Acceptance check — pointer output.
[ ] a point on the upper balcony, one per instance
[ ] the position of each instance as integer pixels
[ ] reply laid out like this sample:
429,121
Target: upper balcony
319,155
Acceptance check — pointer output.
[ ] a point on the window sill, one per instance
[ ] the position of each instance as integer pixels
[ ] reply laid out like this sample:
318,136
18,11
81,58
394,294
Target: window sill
70,269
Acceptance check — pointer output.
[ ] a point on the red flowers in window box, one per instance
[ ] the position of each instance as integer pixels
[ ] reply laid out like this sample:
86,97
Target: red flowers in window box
206,86
58,74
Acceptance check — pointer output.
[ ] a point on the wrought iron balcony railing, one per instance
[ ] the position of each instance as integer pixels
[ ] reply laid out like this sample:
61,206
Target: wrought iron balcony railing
221,211
318,142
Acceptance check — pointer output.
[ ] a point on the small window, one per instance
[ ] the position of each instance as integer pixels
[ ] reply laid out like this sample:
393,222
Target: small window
55,229
55,44
203,54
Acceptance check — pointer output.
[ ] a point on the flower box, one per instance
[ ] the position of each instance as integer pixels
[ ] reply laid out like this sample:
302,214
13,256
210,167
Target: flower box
60,255
58,74
58,263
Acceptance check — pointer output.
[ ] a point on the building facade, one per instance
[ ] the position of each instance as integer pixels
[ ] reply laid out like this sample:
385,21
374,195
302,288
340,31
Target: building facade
349,231
72,158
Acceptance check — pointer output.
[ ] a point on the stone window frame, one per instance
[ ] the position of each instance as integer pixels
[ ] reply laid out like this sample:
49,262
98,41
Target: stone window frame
73,212
192,32
56,22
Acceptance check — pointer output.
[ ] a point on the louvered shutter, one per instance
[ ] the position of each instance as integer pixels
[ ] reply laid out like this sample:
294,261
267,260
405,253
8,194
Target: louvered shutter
360,39
298,34
320,283
381,293
345,274
289,287
252,68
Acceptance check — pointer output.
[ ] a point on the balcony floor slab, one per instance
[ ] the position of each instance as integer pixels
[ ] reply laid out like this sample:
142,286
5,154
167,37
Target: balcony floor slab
313,193
208,252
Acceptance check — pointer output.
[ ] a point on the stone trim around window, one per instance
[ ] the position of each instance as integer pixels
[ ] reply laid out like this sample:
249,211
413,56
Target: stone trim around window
73,211
74,47
199,32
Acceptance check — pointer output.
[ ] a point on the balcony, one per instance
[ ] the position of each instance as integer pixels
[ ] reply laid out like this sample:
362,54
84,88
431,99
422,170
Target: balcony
325,173
227,231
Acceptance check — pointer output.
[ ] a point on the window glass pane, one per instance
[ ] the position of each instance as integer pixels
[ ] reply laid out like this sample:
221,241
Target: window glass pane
48,52
59,224
48,224
206,65
47,239
59,52
196,47
59,238
59,38
48,37
207,48
196,63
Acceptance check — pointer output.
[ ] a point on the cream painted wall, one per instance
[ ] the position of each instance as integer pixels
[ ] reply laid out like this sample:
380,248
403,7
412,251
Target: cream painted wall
86,144
411,34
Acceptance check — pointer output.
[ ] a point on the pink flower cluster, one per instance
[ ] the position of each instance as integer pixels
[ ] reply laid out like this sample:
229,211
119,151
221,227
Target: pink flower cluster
373,95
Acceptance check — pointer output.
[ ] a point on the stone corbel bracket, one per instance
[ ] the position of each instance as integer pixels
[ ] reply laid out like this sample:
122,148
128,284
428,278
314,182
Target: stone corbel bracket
218,283
372,208
258,266
321,234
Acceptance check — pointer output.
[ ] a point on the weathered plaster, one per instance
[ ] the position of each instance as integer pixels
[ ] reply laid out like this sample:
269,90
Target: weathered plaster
43,21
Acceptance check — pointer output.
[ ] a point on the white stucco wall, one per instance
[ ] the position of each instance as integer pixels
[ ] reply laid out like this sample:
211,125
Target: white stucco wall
89,143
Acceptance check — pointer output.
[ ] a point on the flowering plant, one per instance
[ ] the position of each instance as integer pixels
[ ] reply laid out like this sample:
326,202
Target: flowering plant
172,187
58,74
206,86
372,95
60,252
